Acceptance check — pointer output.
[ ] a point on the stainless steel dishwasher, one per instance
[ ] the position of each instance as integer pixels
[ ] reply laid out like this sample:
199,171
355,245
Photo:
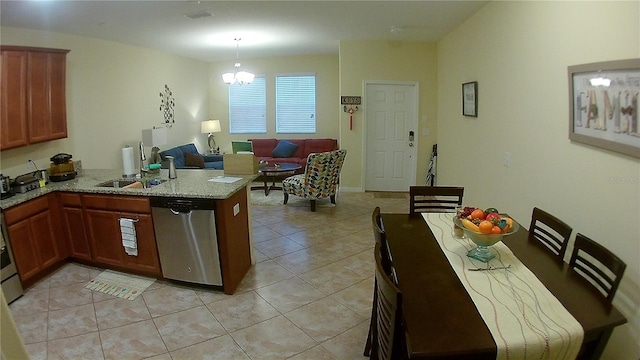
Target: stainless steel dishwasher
186,238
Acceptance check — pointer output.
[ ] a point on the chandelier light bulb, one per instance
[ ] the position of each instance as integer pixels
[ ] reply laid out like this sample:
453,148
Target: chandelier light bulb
241,77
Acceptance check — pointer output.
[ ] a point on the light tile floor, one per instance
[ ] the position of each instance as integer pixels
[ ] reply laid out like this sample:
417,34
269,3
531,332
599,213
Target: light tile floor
307,297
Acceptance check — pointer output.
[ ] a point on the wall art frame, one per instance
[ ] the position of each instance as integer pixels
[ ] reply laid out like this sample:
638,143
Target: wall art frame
470,99
603,105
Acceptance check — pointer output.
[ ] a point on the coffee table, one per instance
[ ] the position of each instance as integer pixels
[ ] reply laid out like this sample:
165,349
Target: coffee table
273,172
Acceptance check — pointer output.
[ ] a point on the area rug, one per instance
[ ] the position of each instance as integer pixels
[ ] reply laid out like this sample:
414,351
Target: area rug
121,285
276,198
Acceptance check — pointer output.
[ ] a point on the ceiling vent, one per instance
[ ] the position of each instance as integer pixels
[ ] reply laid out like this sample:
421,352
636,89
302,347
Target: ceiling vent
199,14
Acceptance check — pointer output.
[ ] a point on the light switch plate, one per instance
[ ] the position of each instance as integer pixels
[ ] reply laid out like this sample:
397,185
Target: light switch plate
507,159
236,209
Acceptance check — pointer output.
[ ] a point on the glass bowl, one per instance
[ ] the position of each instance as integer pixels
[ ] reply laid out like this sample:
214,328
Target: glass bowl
483,250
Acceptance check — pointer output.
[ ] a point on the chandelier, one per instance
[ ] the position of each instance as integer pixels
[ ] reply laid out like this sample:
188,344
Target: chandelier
241,77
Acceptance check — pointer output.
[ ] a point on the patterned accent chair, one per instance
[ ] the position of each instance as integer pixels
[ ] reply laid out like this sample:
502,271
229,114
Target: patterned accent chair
320,179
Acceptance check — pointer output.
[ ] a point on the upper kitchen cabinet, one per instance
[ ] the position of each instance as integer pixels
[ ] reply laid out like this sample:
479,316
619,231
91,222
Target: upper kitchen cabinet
13,90
33,95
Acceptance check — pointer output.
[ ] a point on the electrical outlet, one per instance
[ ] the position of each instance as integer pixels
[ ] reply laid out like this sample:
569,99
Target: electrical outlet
507,159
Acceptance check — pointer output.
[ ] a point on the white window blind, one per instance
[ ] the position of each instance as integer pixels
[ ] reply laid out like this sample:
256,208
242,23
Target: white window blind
296,104
247,107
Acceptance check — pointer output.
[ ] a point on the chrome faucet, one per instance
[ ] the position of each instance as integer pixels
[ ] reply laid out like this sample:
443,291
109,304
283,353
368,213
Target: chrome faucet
172,168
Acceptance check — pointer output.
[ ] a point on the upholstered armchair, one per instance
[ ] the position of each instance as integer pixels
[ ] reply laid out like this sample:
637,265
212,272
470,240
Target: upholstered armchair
320,179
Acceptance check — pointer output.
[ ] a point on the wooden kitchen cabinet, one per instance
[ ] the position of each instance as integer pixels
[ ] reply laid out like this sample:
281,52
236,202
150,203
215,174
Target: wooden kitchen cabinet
13,100
32,231
33,95
73,222
102,219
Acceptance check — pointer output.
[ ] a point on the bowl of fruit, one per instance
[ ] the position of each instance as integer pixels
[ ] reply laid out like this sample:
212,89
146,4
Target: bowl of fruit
485,228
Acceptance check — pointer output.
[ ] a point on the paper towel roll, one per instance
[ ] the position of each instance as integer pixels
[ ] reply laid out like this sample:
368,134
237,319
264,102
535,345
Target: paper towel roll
128,161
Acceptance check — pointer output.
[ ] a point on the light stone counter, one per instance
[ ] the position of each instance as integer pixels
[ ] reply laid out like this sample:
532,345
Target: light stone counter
192,183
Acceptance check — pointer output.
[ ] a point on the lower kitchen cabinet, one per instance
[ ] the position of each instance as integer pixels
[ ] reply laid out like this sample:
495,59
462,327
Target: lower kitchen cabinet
73,221
102,221
32,232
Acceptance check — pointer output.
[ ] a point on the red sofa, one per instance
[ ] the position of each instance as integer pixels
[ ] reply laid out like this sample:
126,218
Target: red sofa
263,150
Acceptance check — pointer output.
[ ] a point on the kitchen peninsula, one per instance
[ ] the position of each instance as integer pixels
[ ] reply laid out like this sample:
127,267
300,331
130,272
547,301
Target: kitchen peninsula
76,220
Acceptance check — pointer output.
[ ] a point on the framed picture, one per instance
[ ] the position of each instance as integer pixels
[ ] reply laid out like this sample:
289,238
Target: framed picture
470,99
603,99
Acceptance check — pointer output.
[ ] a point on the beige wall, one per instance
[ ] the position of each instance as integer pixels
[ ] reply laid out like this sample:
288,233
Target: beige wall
324,66
388,61
112,94
519,53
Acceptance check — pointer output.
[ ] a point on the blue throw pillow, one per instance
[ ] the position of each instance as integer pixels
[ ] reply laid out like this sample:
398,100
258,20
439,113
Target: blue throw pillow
284,149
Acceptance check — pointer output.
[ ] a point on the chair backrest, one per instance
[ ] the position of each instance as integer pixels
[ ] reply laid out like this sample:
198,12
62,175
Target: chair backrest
388,331
434,198
322,173
381,238
602,268
550,231
241,146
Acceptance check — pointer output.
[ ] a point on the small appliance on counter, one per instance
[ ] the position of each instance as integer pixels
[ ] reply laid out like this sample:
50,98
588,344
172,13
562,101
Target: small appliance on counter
62,168
5,187
25,182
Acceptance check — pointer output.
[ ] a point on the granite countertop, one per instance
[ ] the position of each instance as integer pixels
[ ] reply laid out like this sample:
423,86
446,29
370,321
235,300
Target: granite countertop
192,183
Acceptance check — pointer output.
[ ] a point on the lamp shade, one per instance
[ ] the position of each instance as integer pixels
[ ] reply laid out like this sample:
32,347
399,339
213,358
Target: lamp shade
154,137
229,78
210,126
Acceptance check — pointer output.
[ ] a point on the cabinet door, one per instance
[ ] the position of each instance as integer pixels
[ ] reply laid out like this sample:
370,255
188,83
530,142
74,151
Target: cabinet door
24,250
13,103
74,226
34,244
57,95
45,239
103,230
38,107
147,258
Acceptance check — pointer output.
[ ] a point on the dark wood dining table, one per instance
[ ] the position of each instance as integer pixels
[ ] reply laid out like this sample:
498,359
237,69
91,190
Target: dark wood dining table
441,320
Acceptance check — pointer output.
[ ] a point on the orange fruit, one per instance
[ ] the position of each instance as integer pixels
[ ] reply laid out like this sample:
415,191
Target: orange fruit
477,214
496,230
485,227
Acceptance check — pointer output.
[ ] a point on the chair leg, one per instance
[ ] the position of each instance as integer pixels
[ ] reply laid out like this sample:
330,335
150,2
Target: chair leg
286,198
333,199
313,205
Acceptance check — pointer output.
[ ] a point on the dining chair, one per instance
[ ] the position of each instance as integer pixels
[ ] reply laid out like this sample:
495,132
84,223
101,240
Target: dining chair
387,334
550,231
386,260
434,198
602,268
320,179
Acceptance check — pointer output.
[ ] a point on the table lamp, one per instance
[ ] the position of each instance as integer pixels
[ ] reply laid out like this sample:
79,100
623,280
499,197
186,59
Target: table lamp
211,126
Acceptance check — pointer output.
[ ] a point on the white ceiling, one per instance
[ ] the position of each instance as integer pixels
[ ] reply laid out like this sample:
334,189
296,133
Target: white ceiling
267,28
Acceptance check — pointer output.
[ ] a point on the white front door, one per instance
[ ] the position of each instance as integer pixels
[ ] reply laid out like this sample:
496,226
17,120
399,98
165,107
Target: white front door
391,115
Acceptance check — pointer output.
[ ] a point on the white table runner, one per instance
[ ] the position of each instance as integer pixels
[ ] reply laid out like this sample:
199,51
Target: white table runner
524,317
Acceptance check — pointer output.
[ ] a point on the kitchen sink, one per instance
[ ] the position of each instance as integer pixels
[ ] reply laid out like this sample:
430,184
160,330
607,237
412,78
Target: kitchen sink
120,183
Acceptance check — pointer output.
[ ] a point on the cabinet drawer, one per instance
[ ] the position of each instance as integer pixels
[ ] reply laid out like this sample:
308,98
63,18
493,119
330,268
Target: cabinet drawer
70,199
23,211
130,204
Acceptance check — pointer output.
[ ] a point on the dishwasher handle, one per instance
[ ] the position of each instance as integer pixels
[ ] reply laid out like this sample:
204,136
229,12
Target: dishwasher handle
182,205
180,211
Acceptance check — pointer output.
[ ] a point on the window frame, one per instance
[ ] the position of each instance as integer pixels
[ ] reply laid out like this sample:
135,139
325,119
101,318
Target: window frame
288,128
